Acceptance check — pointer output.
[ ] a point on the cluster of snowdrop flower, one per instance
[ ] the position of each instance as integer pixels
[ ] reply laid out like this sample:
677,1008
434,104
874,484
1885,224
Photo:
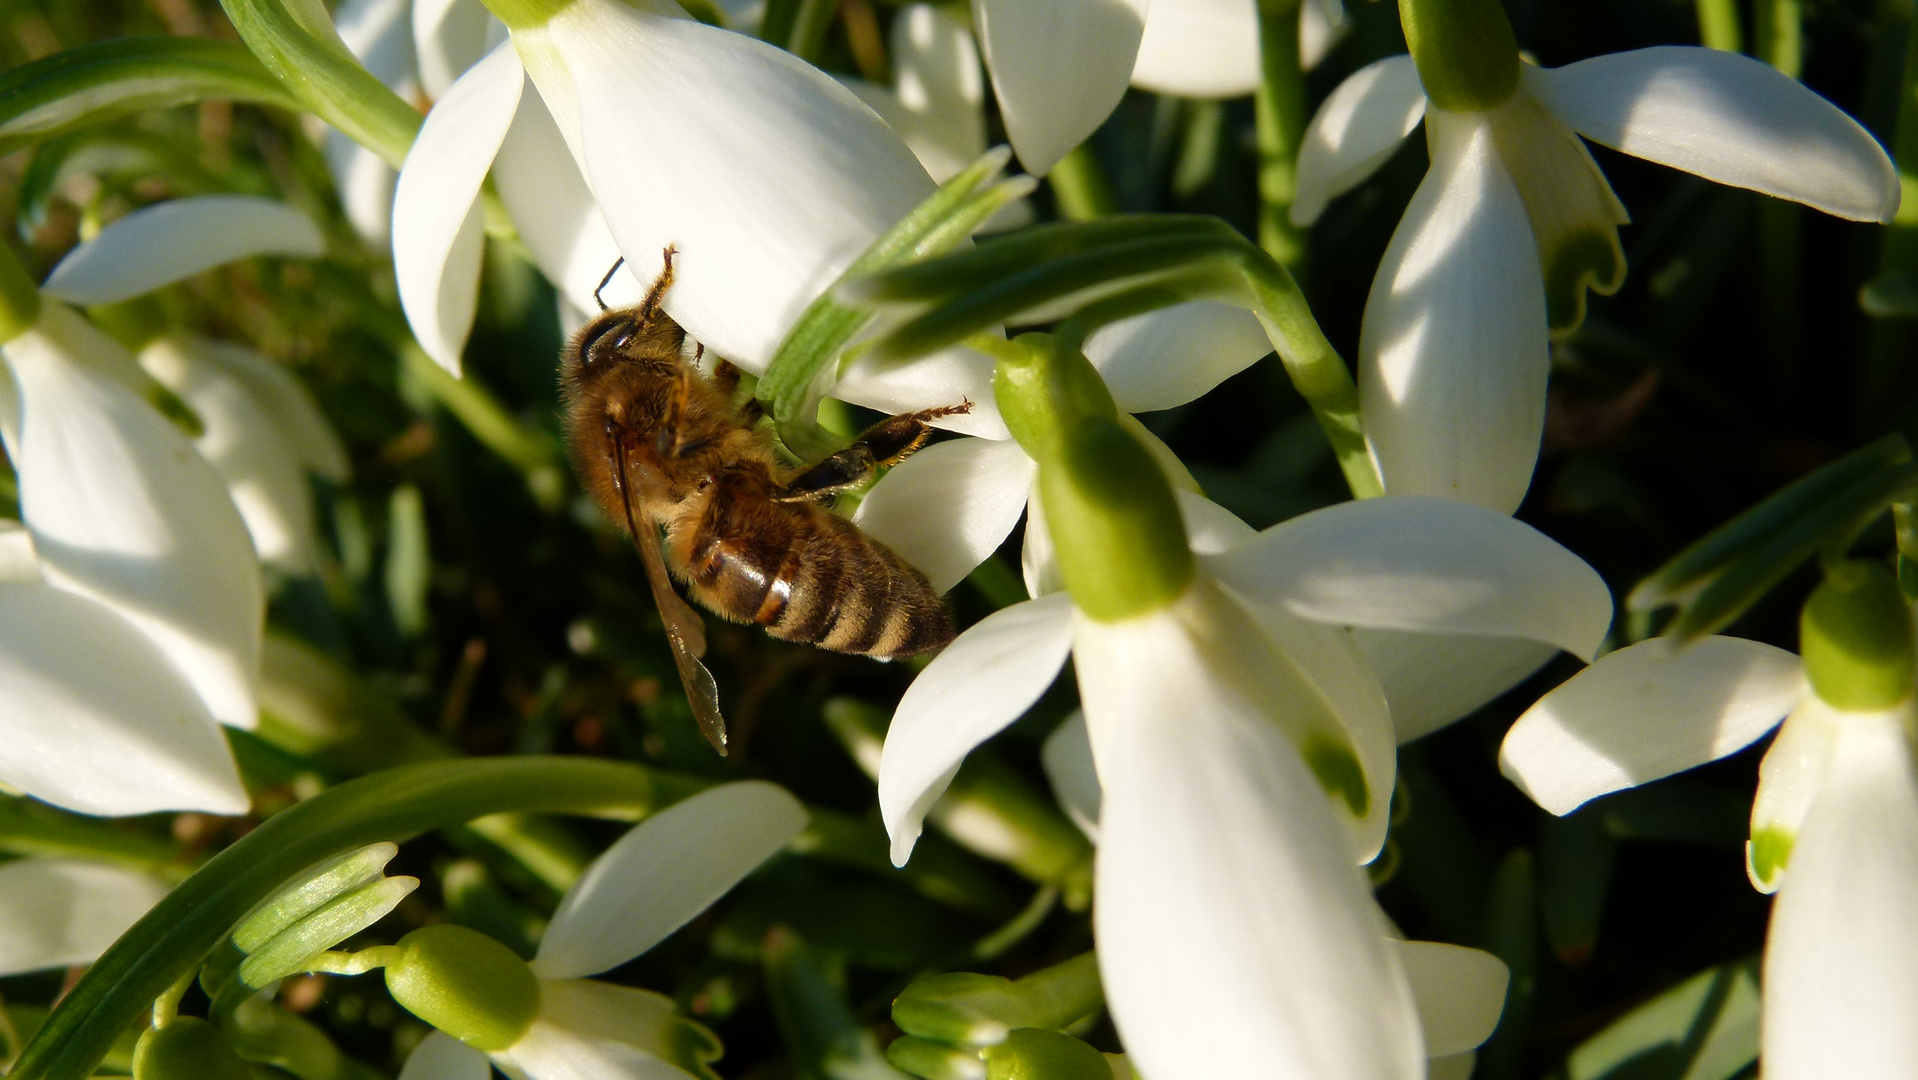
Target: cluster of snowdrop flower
1243,692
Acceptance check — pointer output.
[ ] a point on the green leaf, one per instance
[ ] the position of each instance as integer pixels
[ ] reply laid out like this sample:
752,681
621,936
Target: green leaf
1575,859
1705,1028
824,1041
171,940
98,82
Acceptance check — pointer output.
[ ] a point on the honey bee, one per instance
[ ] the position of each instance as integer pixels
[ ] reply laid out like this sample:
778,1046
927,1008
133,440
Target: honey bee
663,449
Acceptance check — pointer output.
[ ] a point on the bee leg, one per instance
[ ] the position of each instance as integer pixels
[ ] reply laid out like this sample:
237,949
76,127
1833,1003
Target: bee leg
726,377
657,292
888,442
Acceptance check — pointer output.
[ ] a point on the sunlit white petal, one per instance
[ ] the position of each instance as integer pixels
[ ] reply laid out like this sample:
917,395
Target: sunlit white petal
1199,48
1067,757
1453,351
1460,993
940,88
1646,711
1430,680
1728,118
1172,355
1789,780
949,507
160,244
1058,68
17,560
983,681
97,719
669,868
1228,902
1209,527
289,403
123,510
451,36
437,233
63,911
954,376
590,1030
380,34
1321,24
1355,131
1841,962
440,1056
1417,563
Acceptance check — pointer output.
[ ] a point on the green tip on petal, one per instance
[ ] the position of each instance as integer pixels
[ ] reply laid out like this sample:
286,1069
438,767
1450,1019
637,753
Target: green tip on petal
1121,544
19,297
186,1049
1856,637
1769,850
1466,53
526,14
465,984
1339,773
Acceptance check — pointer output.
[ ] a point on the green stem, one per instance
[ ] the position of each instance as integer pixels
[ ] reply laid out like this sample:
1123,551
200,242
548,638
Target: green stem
173,938
1316,369
1080,186
326,78
1718,25
30,828
19,299
535,452
1280,113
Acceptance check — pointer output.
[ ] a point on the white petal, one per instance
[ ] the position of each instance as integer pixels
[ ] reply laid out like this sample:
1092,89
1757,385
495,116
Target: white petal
1321,24
248,447
1175,354
1058,68
440,1056
1728,118
1430,680
123,510
1228,902
380,34
289,403
1067,757
954,376
1355,131
365,183
1841,963
61,912
1200,48
1789,780
940,89
983,681
768,190
669,868
17,559
1209,527
1425,564
590,1030
437,233
553,209
160,244
1453,353
97,719
1460,993
1645,712
451,36
1038,564
947,508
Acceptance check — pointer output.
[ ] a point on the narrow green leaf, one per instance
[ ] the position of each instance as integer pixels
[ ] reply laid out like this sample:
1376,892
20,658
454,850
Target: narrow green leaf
172,939
1705,1028
1575,859
824,1041
107,79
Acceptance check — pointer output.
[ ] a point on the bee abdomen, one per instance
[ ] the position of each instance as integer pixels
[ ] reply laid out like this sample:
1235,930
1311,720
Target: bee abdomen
844,591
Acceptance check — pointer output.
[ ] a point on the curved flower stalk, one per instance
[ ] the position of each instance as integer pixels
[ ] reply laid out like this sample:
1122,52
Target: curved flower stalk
1837,801
1514,221
1053,100
768,187
57,912
546,1020
1243,747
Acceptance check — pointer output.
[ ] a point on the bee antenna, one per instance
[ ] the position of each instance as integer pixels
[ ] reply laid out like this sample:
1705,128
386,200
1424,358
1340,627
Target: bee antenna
607,280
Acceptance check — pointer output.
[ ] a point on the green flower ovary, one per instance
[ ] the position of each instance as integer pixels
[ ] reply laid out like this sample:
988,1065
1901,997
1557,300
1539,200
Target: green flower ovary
466,984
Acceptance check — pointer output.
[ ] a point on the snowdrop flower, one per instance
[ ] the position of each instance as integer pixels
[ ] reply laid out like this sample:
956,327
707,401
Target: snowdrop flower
1243,747
380,34
767,176
1837,800
1060,68
937,102
57,912
1514,221
546,1020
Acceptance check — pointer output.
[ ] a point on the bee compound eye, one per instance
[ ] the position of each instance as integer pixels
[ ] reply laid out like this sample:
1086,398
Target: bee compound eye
605,340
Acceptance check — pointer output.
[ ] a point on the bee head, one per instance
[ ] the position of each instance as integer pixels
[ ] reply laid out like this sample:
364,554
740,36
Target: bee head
606,339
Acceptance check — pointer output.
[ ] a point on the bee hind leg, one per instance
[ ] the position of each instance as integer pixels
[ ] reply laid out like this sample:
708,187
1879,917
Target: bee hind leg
656,293
888,442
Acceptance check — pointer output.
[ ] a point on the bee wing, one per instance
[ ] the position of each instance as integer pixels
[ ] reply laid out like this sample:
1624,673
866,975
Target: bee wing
687,635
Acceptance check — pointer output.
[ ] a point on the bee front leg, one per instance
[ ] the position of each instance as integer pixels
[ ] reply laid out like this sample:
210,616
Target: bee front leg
886,443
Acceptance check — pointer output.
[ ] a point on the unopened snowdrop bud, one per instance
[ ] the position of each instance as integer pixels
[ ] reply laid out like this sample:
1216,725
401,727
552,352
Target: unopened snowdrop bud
465,984
1121,545
1856,638
186,1049
1466,53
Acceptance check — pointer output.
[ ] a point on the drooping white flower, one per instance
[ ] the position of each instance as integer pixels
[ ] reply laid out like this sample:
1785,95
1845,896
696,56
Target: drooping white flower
60,911
1227,895
380,34
162,243
651,882
1514,221
1210,48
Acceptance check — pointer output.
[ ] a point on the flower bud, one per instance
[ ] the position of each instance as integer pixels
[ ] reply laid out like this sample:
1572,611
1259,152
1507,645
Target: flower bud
1856,637
1466,53
1121,544
465,984
186,1049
